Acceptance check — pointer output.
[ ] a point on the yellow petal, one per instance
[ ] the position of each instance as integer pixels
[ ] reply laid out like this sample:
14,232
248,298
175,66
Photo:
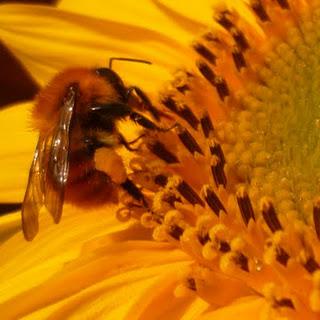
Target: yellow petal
47,40
245,308
99,268
17,147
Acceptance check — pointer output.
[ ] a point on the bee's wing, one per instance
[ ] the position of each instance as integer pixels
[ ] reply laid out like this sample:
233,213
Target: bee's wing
58,161
33,199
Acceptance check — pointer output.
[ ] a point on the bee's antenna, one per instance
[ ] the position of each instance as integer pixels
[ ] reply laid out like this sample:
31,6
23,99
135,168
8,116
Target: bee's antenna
126,59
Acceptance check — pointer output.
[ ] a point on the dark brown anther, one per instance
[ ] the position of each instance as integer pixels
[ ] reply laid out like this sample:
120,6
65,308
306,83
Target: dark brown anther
207,72
242,261
134,191
282,256
161,180
175,232
216,150
191,283
213,201
210,37
245,206
170,103
270,216
259,10
162,152
206,124
183,88
240,39
284,303
189,194
222,87
238,58
203,239
205,53
316,217
311,265
224,246
186,113
222,19
283,4
218,174
171,199
188,141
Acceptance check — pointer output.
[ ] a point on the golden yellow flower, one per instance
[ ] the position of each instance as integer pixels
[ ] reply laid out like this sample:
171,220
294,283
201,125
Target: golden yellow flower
233,224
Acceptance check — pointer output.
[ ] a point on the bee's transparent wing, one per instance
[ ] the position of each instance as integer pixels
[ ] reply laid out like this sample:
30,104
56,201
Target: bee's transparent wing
34,196
58,161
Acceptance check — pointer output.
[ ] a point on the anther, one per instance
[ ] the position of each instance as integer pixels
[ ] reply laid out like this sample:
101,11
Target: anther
216,150
213,201
221,18
311,265
161,180
284,303
245,206
206,124
242,261
186,113
270,216
240,39
282,256
224,247
222,87
162,152
134,191
203,239
283,4
207,72
205,53
191,284
218,173
175,231
189,194
259,10
188,140
238,58
316,217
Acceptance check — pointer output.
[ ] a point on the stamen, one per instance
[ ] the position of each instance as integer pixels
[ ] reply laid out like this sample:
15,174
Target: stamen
203,239
162,152
242,261
283,4
238,58
245,206
191,283
270,216
285,302
282,256
222,87
206,124
189,194
134,191
224,247
213,201
259,10
316,217
187,114
216,150
218,172
311,265
207,72
175,231
240,39
184,112
223,20
205,53
161,180
188,140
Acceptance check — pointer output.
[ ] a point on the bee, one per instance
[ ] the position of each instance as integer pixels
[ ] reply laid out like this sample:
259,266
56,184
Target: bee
76,114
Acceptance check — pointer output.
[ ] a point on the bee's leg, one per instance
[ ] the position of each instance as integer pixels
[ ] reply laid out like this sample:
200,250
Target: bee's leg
148,124
134,191
127,144
145,100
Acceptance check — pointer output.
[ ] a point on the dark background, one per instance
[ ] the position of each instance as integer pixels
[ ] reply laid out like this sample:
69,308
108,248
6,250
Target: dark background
15,83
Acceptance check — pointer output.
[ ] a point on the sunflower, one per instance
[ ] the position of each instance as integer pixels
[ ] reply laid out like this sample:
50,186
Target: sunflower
231,221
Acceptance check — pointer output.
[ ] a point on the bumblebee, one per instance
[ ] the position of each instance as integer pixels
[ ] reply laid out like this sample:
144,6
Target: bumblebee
76,114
